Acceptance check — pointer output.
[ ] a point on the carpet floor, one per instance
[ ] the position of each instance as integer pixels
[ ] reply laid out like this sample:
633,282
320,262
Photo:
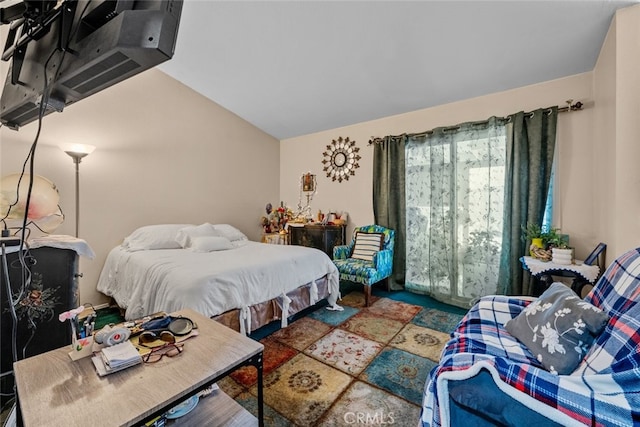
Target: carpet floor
361,365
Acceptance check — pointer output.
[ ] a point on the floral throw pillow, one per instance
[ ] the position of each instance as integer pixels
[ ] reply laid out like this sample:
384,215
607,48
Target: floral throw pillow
558,328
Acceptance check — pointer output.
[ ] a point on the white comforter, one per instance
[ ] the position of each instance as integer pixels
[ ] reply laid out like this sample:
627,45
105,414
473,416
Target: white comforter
211,283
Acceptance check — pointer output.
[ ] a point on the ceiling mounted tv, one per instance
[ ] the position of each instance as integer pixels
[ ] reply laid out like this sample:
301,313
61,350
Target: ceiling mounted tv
62,52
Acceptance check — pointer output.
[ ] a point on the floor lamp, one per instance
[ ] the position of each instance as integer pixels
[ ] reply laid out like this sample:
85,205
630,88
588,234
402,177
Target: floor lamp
77,153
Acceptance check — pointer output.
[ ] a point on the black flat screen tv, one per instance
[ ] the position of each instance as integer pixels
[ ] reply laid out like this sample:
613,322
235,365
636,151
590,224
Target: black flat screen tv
67,53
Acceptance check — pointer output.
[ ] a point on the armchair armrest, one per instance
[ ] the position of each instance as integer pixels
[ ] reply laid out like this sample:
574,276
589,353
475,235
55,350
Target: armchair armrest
383,261
341,251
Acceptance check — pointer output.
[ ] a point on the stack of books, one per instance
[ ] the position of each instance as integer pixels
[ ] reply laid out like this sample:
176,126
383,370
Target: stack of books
116,358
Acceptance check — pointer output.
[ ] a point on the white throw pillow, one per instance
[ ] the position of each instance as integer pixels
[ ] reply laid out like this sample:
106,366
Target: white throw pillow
366,245
230,232
186,234
210,244
159,236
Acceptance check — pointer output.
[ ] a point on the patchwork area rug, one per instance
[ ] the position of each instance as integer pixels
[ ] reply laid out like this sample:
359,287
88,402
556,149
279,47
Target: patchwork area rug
337,368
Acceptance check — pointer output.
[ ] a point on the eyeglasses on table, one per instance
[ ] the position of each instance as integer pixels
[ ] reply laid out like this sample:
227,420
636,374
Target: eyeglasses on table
157,353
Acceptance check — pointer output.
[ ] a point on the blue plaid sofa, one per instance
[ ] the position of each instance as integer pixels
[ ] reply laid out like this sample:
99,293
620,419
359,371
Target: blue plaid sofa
487,377
365,272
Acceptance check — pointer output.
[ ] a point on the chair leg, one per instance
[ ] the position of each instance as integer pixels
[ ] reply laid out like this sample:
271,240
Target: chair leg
367,295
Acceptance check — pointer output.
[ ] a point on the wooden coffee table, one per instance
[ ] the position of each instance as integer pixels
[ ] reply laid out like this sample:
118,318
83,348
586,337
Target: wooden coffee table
53,390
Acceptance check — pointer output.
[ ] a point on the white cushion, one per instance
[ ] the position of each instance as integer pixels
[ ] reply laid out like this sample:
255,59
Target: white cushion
366,245
159,236
185,234
210,244
230,232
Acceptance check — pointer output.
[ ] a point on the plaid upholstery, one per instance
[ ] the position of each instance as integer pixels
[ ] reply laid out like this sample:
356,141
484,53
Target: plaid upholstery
603,391
361,271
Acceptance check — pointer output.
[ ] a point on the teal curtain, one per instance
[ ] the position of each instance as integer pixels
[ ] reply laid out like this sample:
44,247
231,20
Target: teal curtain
454,197
531,139
389,198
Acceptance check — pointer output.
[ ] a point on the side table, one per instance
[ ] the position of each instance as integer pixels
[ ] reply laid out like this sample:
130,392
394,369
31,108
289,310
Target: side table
541,272
275,238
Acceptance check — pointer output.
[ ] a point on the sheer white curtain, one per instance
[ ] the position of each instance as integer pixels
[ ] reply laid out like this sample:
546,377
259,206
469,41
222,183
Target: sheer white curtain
454,201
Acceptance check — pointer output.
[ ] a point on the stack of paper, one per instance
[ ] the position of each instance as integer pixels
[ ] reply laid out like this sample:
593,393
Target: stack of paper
117,357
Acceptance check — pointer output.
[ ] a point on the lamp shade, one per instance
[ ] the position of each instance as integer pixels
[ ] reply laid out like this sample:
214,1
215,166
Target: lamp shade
81,149
43,207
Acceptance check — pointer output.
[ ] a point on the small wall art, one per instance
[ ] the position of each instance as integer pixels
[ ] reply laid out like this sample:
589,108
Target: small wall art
340,159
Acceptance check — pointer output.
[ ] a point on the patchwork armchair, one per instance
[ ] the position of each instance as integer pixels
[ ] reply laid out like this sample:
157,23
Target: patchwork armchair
553,360
368,259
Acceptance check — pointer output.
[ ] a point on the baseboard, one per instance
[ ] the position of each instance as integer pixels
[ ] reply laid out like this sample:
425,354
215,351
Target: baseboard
101,306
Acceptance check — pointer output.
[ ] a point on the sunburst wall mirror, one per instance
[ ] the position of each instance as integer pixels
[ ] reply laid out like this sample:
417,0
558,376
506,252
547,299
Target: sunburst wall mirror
341,159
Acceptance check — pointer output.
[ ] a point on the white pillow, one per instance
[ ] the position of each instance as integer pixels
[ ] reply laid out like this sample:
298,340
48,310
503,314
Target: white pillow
239,243
230,232
186,234
159,236
210,244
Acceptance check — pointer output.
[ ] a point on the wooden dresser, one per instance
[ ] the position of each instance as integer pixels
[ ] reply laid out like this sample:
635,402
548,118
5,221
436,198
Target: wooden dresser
323,237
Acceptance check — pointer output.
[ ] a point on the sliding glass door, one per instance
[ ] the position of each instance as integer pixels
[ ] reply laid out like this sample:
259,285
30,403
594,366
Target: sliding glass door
455,193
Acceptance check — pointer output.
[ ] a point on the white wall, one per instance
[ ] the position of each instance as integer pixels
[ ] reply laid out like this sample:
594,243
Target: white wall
627,129
165,154
574,212
604,146
617,126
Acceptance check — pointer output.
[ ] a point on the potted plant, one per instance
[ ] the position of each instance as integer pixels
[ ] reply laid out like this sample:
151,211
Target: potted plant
536,235
531,231
553,239
561,252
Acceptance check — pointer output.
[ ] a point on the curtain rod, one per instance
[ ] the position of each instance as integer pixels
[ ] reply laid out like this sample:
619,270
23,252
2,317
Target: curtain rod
570,107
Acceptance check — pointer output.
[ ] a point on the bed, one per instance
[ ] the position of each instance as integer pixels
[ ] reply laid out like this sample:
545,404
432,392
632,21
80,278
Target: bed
217,271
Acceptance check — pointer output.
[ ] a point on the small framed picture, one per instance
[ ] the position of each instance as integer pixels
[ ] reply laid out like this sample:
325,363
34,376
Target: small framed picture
308,182
594,254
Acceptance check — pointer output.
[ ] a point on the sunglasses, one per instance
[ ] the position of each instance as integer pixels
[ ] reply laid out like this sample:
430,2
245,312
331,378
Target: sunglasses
177,325
149,337
169,350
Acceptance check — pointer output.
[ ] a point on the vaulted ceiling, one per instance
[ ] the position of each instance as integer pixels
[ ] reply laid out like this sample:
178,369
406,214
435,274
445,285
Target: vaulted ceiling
297,67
